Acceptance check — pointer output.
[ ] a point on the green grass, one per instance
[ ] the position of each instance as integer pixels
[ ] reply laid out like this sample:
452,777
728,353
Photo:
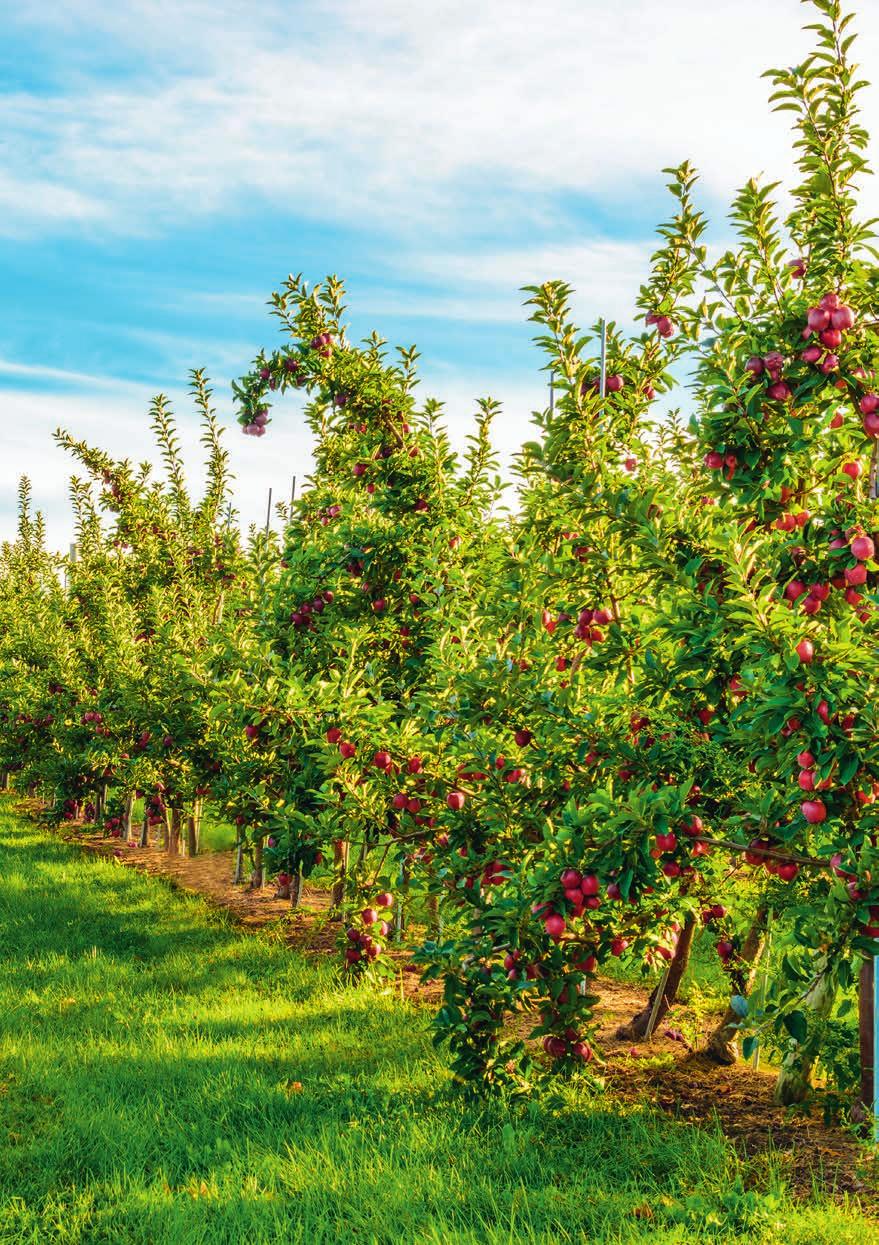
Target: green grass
151,1059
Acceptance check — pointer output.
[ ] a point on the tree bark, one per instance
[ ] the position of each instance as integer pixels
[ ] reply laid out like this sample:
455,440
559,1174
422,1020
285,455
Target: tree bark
296,889
144,840
863,1109
193,826
340,863
723,1045
433,917
256,877
174,832
401,902
638,1026
238,876
127,817
794,1078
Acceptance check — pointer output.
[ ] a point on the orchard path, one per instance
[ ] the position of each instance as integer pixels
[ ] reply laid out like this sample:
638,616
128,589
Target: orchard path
667,1072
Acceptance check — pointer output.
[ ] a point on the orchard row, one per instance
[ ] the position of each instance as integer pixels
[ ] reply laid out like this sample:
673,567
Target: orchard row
559,730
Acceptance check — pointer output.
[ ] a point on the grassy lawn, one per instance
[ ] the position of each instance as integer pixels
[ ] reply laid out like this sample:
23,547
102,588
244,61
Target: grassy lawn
165,1079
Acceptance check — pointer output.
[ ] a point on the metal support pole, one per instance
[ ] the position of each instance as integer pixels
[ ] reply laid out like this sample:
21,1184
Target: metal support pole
269,512
602,381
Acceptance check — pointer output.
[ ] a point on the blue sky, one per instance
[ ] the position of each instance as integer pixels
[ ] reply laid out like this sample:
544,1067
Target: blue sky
166,164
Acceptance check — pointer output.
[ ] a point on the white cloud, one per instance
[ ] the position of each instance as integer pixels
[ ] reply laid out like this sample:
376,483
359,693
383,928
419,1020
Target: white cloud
113,415
398,114
117,420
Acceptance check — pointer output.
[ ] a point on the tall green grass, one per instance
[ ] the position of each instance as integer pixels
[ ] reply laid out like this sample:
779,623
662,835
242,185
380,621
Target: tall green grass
167,1079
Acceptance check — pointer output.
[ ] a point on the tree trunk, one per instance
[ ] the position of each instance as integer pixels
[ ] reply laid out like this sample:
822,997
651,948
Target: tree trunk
639,1025
433,917
193,825
340,863
4,780
296,889
174,832
794,1077
256,877
127,817
723,1045
401,903
145,830
238,876
863,1109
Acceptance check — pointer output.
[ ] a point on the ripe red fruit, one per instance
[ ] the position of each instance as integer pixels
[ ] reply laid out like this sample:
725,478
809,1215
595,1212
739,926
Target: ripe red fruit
754,365
725,949
832,338
818,319
666,842
571,879
589,885
369,916
869,404
347,750
333,735
788,871
794,590
814,811
252,732
863,548
805,651
618,946
714,460
856,575
385,900
842,318
779,391
806,780
614,383
523,738
554,925
811,354
852,470
456,800
382,760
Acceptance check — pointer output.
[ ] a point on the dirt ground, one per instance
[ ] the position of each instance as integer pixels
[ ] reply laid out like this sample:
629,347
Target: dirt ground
664,1072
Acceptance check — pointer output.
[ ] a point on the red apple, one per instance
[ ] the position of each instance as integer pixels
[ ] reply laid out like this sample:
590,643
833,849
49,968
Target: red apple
814,811
863,548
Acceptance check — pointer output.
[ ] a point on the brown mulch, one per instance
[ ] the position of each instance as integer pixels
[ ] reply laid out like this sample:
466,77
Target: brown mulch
665,1072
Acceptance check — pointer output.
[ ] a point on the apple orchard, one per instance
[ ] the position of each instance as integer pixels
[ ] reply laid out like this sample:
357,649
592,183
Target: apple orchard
634,706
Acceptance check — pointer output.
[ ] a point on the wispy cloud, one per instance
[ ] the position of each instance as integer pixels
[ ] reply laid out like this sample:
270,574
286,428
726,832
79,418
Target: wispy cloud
395,114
